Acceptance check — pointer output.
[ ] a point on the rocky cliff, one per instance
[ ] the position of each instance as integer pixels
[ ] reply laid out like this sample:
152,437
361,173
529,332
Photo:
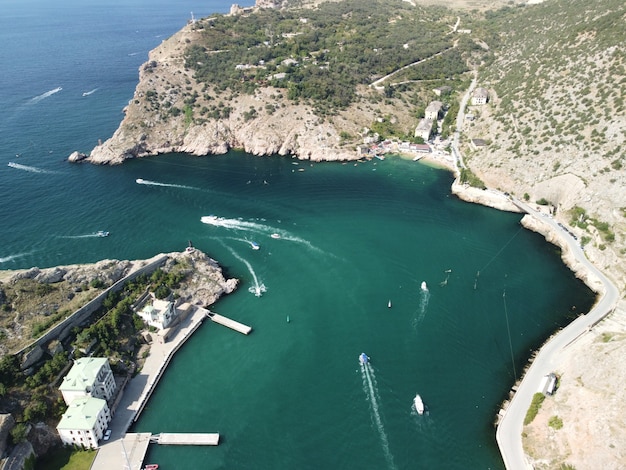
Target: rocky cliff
284,128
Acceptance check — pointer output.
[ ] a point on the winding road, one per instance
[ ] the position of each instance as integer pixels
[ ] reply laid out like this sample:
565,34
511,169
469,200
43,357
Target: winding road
509,431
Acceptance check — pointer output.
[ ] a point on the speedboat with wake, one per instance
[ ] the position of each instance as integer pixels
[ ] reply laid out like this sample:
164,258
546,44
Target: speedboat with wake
364,359
424,286
255,245
419,404
102,233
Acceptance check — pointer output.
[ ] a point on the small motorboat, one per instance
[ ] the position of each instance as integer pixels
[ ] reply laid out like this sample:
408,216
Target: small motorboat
275,235
364,359
419,404
424,286
151,466
255,245
102,233
139,181
389,304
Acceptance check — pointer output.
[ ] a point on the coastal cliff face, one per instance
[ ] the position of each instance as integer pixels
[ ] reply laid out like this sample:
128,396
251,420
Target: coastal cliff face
264,123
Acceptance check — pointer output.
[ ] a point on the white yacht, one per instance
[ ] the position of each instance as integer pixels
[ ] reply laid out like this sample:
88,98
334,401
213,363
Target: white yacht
419,404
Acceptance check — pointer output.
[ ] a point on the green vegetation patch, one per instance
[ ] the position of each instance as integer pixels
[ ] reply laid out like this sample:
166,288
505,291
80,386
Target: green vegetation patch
533,409
67,458
320,55
467,176
555,422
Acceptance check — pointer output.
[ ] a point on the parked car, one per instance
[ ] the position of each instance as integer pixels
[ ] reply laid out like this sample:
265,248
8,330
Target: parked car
107,435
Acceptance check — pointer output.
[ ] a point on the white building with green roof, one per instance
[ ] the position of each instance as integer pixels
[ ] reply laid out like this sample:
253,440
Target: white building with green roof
88,377
158,313
84,422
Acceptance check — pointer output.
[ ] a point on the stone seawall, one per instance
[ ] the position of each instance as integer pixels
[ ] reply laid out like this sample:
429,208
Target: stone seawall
34,351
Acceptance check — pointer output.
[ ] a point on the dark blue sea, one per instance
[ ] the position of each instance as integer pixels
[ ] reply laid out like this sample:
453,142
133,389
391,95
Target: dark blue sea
352,238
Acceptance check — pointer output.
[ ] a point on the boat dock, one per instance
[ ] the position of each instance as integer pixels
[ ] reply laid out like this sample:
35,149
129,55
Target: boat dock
227,322
186,439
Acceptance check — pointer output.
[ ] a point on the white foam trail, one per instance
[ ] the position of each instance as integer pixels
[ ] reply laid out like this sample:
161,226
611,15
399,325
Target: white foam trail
12,257
31,169
87,235
91,92
257,288
371,390
45,95
167,185
237,224
261,229
423,305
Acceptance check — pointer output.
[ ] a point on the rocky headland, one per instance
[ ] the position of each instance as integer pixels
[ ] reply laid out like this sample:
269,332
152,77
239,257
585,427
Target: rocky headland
52,291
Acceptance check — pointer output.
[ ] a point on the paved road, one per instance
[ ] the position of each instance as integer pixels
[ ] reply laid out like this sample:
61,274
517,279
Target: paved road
509,432
460,119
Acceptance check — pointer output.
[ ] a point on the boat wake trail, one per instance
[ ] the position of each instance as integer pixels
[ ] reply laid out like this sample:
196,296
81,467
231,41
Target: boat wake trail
237,224
371,391
31,169
12,257
423,304
86,235
257,288
257,228
166,185
45,95
90,92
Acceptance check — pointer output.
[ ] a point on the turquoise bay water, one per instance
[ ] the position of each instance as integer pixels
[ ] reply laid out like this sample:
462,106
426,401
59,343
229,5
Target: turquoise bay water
352,237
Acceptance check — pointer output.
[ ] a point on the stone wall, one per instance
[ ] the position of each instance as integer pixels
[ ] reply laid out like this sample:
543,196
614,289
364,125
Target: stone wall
80,316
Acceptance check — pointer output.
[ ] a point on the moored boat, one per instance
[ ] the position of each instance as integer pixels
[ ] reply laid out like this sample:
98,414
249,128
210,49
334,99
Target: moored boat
363,358
419,404
151,466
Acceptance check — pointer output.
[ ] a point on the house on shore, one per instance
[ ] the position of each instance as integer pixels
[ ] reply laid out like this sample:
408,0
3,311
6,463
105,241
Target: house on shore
424,129
433,110
480,96
158,313
442,90
84,422
89,377
478,144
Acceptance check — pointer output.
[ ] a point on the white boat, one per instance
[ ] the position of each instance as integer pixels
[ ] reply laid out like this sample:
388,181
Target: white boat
424,286
255,245
102,233
275,235
389,304
139,181
363,358
419,404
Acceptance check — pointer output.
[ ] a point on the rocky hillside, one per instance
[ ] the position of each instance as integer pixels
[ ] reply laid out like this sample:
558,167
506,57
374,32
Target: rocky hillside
555,126
294,82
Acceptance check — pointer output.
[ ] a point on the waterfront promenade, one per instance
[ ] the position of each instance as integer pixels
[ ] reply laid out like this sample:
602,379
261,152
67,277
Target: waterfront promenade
509,431
127,451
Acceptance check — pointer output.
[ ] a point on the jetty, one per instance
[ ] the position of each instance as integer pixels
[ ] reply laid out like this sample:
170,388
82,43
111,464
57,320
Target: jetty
227,322
186,439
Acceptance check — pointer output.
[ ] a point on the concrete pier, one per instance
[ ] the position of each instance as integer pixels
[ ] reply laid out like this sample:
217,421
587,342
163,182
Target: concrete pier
227,322
187,439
